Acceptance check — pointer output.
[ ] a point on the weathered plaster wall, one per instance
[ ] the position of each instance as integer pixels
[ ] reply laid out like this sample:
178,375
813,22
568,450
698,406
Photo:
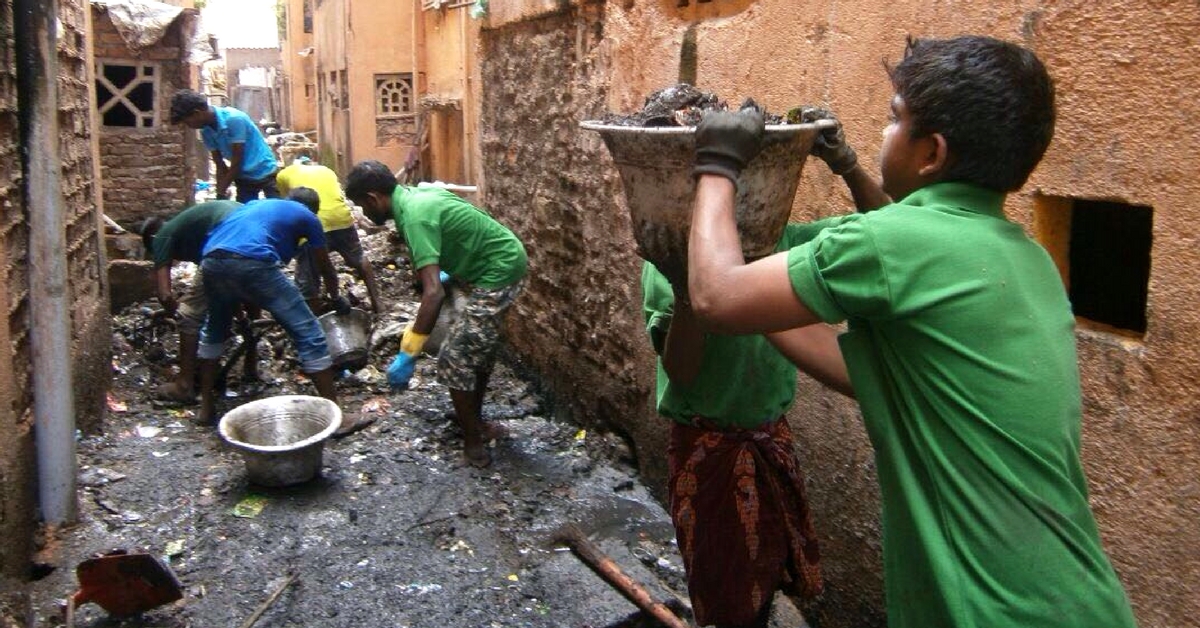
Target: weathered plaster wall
88,290
147,171
450,69
16,446
1127,82
300,78
578,322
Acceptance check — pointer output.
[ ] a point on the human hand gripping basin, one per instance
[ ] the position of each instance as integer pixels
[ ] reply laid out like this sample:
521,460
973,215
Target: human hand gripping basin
655,164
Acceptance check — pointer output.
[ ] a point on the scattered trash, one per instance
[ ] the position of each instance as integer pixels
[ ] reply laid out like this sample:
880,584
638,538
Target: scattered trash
580,435
98,476
116,406
173,548
512,577
148,431
160,454
417,588
378,404
250,506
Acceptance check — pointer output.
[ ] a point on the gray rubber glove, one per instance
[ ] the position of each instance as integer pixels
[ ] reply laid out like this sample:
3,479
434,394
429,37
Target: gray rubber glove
831,146
726,141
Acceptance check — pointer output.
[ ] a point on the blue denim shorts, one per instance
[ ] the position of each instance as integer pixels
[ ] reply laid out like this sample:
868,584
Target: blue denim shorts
230,280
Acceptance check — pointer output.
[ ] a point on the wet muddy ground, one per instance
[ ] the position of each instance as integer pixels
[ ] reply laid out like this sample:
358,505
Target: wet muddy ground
396,530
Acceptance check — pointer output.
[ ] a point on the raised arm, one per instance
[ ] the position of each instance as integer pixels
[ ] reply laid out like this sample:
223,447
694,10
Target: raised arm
814,349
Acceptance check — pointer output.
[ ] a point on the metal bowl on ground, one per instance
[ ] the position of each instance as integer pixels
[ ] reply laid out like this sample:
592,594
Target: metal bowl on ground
348,337
282,439
655,164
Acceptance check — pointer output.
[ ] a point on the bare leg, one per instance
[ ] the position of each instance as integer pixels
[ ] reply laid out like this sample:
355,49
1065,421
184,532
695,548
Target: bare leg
351,421
323,380
467,418
184,386
208,404
368,277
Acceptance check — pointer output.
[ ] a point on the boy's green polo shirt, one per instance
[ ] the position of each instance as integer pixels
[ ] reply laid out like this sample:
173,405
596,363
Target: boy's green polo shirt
441,228
182,238
743,380
961,350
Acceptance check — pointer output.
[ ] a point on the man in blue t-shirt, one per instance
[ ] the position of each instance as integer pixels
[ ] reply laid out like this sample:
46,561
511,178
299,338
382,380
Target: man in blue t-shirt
229,134
243,261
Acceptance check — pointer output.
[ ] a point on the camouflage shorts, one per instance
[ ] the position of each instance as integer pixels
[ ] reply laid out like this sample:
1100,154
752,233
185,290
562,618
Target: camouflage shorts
193,305
470,346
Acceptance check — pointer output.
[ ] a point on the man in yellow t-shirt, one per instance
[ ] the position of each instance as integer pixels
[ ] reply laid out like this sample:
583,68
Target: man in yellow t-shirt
335,217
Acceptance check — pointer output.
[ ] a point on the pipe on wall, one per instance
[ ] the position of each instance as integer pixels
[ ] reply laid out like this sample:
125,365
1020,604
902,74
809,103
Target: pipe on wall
36,23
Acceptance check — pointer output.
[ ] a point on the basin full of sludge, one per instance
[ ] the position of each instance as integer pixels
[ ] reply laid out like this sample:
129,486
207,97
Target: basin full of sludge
282,439
655,165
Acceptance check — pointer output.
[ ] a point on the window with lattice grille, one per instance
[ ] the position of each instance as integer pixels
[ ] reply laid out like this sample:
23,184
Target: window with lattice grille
393,95
127,93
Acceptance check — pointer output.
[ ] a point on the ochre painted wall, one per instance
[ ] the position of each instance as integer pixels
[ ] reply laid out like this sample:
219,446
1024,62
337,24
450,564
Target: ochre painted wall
299,70
1128,102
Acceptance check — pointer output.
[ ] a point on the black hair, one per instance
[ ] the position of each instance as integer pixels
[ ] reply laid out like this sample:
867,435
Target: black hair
149,228
185,102
307,197
369,176
992,101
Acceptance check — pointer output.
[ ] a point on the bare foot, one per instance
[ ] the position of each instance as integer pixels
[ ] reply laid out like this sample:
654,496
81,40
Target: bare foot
207,414
494,431
353,422
175,391
477,456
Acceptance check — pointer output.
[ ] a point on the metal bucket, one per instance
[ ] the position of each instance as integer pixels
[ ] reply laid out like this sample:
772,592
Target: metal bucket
281,438
348,337
655,164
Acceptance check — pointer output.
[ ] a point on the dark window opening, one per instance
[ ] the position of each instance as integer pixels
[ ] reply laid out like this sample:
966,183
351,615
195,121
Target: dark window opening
120,115
1109,256
308,16
126,94
142,97
120,75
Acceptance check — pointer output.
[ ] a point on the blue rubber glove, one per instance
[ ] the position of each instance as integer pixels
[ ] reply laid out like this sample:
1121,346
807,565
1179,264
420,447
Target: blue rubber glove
443,276
401,370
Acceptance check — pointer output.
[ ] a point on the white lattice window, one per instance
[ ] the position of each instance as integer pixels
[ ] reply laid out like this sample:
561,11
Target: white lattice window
127,93
393,95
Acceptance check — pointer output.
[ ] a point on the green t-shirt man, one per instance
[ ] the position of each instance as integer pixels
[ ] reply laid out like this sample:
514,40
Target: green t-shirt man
743,381
441,228
182,238
961,350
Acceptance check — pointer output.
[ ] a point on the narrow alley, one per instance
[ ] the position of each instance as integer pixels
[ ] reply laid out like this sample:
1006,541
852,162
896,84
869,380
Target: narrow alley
396,531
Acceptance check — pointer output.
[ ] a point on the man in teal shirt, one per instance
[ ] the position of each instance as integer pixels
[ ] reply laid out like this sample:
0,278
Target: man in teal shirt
960,350
230,134
447,234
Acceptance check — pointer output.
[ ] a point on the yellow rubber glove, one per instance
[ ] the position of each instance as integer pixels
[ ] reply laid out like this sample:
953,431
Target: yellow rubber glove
412,342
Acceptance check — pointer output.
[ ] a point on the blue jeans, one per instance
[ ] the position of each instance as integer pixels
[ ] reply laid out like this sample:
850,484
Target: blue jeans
248,189
230,281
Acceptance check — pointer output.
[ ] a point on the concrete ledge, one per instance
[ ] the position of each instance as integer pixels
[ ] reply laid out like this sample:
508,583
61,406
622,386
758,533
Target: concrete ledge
130,281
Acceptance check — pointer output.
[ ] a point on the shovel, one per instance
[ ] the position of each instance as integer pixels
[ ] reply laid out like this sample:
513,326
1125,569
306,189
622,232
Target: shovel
124,584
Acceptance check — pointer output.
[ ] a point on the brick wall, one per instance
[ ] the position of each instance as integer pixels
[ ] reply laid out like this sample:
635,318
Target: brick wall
88,290
146,171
